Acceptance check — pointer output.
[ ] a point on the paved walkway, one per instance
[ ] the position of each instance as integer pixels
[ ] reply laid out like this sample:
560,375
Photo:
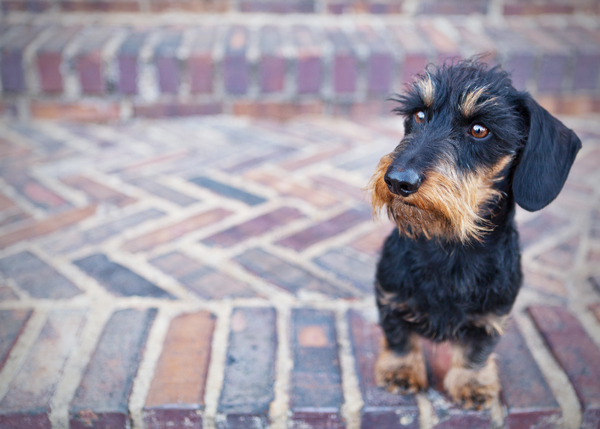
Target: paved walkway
219,270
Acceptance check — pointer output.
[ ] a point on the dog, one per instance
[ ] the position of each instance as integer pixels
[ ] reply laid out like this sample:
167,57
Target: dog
474,146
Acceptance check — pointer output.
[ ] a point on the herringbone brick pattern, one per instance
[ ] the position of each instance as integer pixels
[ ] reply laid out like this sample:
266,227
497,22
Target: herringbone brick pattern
218,272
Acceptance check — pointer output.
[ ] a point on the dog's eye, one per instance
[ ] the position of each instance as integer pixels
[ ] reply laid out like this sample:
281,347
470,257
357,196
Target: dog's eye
479,131
419,117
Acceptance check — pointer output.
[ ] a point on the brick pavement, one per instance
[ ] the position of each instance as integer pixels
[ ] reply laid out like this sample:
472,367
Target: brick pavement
218,271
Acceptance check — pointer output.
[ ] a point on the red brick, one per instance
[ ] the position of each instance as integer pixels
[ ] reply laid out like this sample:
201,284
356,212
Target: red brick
100,5
276,110
88,59
49,58
525,393
545,224
380,63
257,226
595,308
545,282
34,191
381,408
173,232
97,110
292,189
576,353
323,155
371,243
316,394
46,226
561,256
97,192
176,395
101,400
27,403
248,382
175,109
323,230
336,185
13,322
6,294
200,62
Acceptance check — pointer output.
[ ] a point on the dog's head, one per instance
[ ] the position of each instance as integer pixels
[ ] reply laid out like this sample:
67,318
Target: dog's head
471,142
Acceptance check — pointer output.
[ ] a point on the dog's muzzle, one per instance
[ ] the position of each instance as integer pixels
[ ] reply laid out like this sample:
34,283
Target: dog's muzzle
402,182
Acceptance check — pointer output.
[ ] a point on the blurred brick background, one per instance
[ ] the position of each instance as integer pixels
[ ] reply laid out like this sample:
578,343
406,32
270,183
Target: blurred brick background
216,271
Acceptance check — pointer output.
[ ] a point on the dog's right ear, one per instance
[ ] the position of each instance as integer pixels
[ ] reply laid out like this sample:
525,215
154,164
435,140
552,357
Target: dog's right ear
545,159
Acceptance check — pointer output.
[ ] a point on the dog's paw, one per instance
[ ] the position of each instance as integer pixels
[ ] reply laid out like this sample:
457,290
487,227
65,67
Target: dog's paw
473,389
401,374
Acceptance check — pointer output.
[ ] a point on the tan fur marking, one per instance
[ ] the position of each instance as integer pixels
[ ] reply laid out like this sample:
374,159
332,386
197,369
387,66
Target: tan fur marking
472,388
402,374
492,323
469,106
447,204
426,89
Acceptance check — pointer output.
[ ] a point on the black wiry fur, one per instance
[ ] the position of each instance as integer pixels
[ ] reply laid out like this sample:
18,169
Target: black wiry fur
437,287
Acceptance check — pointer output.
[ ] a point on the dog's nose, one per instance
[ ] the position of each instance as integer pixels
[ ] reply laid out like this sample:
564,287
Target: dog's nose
403,183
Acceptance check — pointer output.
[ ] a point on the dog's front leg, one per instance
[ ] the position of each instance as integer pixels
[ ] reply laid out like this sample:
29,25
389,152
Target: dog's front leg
400,367
472,380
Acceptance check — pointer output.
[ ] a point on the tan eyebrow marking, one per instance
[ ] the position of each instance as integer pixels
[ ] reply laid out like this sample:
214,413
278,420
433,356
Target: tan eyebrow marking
426,90
469,106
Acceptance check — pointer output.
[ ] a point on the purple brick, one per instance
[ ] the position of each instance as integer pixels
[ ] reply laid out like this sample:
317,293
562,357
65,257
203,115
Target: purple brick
12,322
13,74
101,400
447,49
200,62
350,266
576,353
167,63
37,278
288,276
235,64
380,63
127,59
316,384
163,191
326,229
381,408
49,58
554,62
228,191
272,66
309,60
259,225
88,59
70,241
518,52
27,402
525,393
202,280
277,6
416,51
587,56
345,62
248,382
117,279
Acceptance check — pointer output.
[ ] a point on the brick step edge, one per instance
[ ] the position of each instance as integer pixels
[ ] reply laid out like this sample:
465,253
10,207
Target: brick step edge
108,72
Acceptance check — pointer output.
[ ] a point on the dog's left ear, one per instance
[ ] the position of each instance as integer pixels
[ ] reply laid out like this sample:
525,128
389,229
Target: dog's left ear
545,160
